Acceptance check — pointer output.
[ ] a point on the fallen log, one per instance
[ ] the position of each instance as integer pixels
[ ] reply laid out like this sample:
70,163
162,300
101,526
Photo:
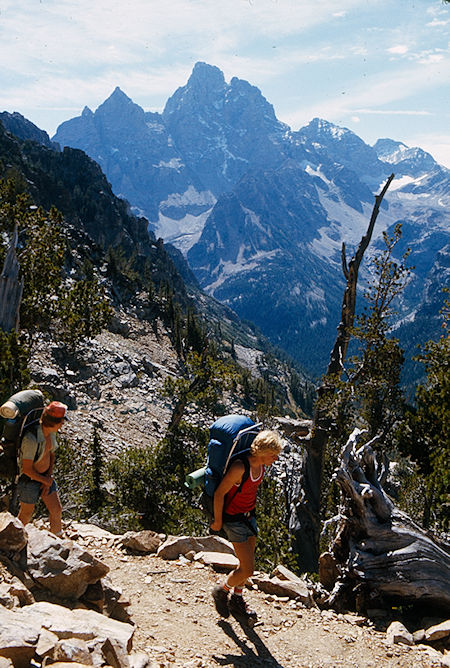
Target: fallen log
381,555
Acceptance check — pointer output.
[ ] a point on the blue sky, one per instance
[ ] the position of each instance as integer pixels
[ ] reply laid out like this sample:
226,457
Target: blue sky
378,67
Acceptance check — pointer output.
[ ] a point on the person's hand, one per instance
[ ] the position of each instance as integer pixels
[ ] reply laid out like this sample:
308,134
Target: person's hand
46,484
216,525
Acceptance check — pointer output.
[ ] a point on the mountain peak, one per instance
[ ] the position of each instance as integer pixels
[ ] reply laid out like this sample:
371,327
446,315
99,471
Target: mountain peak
205,88
206,75
119,104
118,96
398,153
326,129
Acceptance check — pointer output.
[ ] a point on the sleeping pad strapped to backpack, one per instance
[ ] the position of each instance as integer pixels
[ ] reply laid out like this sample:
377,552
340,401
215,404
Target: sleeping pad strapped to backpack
230,439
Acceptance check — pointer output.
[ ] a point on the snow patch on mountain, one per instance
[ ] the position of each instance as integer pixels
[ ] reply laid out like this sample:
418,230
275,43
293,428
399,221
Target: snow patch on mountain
174,163
315,299
316,171
229,268
255,220
188,197
402,181
182,233
344,223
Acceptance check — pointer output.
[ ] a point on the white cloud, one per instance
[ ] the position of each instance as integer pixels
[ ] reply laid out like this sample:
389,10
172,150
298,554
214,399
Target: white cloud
399,49
431,58
435,23
385,88
394,112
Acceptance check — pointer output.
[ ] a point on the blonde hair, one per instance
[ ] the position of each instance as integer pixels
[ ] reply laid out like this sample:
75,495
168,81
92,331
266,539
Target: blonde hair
266,440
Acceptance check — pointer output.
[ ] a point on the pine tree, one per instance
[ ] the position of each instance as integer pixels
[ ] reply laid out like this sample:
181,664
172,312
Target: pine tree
425,434
95,492
84,311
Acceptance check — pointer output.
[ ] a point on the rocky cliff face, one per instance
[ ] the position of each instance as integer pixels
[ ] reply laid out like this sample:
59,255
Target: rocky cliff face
223,130
22,128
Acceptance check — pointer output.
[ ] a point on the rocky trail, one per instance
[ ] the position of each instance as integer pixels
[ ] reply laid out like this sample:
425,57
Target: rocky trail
177,624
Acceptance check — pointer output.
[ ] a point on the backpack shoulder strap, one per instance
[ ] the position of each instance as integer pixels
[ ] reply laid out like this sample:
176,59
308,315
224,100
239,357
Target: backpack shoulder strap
30,429
245,477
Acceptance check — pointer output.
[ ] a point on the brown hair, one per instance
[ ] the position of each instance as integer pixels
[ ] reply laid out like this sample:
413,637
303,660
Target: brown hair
265,441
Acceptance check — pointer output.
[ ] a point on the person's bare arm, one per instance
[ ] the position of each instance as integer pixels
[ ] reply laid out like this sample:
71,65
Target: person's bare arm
232,477
30,471
52,463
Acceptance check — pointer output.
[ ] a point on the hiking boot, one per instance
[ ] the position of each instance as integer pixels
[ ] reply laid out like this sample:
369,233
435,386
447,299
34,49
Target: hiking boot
239,609
220,597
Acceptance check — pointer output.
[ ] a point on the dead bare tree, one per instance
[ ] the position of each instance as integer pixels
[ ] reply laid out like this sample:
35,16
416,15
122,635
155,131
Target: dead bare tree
380,554
308,512
11,289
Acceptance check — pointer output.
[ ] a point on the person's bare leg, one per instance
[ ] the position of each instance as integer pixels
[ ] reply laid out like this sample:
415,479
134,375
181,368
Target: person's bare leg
25,512
54,508
245,552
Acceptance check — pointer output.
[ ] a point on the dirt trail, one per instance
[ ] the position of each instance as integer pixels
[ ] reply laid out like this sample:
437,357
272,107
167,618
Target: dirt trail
177,625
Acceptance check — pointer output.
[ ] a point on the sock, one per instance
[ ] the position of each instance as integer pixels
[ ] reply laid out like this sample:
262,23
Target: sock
226,587
238,591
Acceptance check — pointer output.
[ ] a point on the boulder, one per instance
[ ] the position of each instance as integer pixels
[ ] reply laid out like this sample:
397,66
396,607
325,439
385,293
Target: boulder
6,597
114,654
17,640
115,603
18,591
297,590
46,644
173,546
61,566
12,533
419,636
74,650
219,560
142,541
328,570
438,631
94,596
6,663
397,633
216,544
42,626
285,574
84,530
141,660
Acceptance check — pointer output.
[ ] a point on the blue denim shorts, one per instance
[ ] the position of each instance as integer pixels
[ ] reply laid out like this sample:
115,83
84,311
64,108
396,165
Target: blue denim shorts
29,490
240,532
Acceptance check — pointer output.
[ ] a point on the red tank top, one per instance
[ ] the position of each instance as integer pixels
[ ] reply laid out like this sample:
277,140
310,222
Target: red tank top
245,500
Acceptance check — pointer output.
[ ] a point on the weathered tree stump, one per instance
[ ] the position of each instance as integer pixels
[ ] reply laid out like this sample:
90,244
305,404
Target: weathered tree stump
380,552
11,288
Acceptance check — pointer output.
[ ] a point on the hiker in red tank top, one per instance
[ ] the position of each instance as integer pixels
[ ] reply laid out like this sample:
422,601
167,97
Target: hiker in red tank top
234,507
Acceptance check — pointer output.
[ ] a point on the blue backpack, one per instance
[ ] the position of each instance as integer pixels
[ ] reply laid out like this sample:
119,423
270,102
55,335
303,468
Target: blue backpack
230,438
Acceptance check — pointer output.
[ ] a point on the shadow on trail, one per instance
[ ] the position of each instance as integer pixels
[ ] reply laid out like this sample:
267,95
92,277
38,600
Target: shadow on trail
257,656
